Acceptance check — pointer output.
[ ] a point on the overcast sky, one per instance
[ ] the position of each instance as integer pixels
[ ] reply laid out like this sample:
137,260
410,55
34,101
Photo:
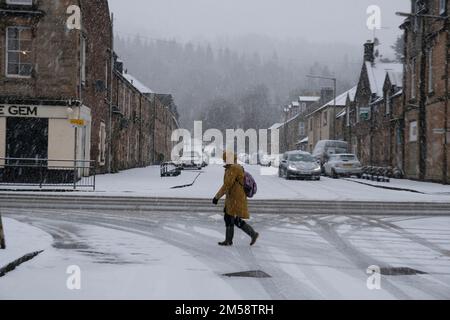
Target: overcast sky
315,20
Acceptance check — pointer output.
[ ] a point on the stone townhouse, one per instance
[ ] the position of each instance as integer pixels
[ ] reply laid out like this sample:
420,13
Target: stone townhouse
62,96
293,131
427,91
132,122
369,116
165,122
54,69
322,124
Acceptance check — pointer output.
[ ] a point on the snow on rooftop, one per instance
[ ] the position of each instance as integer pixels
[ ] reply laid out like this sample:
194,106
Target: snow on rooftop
276,126
396,78
308,99
377,74
304,140
341,114
296,104
341,100
137,84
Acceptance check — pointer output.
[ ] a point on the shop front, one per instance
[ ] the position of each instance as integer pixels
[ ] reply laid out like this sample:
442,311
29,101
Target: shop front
44,144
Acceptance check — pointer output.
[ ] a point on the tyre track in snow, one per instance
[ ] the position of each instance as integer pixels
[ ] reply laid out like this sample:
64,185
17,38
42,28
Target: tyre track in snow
357,256
236,259
203,251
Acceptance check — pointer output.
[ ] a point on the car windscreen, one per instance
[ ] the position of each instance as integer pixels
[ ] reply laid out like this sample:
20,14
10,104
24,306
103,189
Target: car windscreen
347,157
298,157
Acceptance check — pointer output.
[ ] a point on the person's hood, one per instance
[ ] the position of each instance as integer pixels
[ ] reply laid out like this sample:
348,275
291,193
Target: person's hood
229,157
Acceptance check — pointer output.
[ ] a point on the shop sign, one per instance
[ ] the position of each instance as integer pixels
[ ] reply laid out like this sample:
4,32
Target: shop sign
18,111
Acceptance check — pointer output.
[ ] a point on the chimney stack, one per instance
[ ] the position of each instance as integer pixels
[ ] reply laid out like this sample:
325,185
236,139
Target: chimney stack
326,95
369,52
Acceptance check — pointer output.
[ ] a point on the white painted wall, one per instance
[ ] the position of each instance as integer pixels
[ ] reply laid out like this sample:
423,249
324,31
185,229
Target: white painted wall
61,139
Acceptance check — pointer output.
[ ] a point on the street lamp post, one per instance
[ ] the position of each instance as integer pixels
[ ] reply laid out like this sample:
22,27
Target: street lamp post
333,122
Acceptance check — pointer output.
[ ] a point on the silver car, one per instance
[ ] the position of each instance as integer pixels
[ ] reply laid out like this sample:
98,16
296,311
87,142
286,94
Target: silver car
343,165
299,164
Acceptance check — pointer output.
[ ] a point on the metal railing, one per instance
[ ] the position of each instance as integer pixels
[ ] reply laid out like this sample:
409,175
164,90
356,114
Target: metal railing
46,173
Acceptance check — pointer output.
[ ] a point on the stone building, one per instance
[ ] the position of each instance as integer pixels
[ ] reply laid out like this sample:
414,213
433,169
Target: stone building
427,91
293,130
369,118
165,122
321,122
64,95
50,74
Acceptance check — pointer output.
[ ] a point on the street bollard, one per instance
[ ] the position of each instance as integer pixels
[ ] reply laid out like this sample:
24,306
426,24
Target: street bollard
2,235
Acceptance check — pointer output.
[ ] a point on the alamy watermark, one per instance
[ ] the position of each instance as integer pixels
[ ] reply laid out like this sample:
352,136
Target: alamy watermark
374,279
374,17
74,280
74,20
240,142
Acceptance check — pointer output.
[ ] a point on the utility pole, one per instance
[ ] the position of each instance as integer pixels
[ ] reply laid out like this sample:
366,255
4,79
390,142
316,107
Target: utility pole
2,234
333,113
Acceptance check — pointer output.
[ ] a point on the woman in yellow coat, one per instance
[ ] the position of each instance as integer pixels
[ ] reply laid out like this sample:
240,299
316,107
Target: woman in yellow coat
236,205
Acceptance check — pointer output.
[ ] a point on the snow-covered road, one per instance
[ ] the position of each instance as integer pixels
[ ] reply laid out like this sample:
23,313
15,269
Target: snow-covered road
146,182
175,256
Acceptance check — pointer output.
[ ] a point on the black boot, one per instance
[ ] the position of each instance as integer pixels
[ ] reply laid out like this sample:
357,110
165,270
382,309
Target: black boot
229,235
251,232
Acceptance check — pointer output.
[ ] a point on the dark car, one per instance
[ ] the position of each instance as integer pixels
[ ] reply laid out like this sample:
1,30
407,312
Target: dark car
299,164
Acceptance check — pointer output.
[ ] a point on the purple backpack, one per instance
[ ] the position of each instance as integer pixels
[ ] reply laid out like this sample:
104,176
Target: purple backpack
250,186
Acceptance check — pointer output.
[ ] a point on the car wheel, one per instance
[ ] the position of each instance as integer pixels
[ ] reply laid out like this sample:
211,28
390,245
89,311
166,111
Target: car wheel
287,175
334,175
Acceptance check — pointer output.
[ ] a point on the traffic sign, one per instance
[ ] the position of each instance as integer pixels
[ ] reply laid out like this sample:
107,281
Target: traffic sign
77,122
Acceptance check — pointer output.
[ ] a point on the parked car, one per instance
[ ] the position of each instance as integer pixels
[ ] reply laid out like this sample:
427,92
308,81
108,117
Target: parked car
191,160
343,165
205,160
299,164
325,148
265,160
244,158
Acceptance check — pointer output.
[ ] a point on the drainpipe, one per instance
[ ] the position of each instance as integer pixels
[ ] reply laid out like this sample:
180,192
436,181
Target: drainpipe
111,96
445,179
422,101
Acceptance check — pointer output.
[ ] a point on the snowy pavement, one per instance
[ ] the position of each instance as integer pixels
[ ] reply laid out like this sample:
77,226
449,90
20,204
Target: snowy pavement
132,255
146,182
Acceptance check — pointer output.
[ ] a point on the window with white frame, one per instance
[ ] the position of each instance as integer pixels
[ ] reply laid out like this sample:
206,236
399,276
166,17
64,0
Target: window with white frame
413,131
102,144
347,116
413,78
442,6
388,102
83,50
301,128
430,71
18,51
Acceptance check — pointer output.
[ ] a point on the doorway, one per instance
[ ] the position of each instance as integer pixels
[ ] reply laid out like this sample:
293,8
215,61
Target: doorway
26,142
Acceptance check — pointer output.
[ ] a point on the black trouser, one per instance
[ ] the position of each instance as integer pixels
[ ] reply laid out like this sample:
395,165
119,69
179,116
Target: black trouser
234,221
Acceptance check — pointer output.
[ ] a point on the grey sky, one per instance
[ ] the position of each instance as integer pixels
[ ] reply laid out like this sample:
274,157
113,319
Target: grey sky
314,20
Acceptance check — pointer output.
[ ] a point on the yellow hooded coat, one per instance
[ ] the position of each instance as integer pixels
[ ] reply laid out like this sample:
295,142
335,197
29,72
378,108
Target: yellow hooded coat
236,203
